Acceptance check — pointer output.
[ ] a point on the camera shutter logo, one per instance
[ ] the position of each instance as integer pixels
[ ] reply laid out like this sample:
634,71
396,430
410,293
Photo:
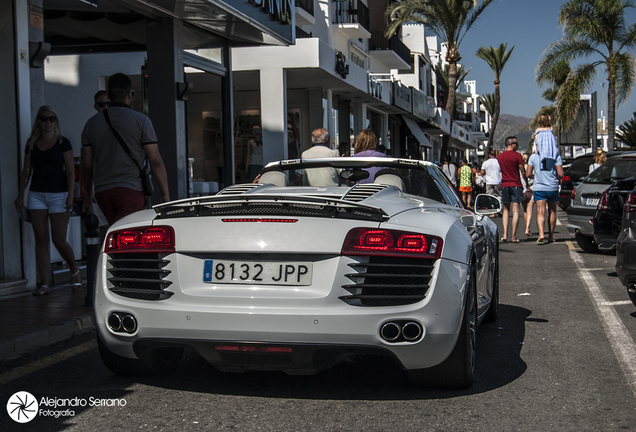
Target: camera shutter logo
22,407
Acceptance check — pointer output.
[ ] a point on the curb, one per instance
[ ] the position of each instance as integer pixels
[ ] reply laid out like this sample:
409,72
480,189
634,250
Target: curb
18,344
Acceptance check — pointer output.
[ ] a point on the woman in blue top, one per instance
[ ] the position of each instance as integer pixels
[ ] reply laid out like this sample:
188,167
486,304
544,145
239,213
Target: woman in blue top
366,142
49,165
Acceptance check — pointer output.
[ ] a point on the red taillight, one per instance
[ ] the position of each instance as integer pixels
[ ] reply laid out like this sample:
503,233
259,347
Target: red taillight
630,203
369,241
573,195
144,239
566,178
603,205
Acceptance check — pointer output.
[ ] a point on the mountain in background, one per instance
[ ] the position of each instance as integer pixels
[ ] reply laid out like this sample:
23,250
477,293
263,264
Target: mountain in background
510,125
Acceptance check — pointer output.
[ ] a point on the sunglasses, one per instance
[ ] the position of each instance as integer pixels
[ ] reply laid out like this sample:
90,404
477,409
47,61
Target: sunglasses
44,119
103,104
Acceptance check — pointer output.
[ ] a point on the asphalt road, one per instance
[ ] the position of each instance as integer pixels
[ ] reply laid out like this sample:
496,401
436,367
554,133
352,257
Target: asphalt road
560,358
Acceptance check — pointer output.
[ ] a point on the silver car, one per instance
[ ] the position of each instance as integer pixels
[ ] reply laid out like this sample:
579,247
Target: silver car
585,197
320,261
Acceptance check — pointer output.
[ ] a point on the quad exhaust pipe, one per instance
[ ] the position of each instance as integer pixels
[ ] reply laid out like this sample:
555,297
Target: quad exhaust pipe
399,331
121,322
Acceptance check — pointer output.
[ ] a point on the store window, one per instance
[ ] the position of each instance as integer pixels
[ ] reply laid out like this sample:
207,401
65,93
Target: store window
248,136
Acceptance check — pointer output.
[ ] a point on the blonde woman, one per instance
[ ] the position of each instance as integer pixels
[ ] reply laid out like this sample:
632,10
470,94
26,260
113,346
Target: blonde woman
49,165
366,142
599,159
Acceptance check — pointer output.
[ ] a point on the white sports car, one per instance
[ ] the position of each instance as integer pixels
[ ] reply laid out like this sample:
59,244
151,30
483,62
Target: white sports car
318,262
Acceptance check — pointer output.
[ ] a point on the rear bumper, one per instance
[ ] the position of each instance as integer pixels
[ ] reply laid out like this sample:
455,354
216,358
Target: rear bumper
626,258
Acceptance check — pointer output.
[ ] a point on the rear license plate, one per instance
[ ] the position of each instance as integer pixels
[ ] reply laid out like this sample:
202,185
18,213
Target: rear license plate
257,272
592,202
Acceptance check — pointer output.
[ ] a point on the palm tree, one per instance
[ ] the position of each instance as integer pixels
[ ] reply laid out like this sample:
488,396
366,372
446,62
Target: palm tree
488,102
496,59
450,20
592,28
442,74
627,133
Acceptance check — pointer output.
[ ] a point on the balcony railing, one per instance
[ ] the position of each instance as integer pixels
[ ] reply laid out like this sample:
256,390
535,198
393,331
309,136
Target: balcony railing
352,12
467,117
308,5
300,33
380,42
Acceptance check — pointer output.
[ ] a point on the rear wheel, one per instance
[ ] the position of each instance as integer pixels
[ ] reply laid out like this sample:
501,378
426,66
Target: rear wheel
458,370
161,361
586,243
631,292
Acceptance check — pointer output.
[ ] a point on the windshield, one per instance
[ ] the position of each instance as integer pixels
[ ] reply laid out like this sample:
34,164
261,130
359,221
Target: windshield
612,170
421,179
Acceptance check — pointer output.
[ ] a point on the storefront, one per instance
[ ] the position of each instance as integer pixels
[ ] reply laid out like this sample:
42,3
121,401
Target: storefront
178,54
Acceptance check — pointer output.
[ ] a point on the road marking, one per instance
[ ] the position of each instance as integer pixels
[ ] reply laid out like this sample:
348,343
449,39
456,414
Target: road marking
46,362
570,245
621,341
617,303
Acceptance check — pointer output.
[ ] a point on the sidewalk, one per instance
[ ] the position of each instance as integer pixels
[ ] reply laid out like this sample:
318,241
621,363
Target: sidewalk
27,322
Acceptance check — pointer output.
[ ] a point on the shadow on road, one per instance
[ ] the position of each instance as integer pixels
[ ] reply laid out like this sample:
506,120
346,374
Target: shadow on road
372,378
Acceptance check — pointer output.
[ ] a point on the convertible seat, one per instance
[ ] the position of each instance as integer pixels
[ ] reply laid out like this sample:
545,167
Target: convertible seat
390,180
276,178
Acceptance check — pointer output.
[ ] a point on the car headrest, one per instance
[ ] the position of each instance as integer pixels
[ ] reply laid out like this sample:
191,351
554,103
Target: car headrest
276,178
390,180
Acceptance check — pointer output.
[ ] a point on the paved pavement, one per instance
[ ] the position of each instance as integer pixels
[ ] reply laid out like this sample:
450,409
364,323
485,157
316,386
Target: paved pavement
28,322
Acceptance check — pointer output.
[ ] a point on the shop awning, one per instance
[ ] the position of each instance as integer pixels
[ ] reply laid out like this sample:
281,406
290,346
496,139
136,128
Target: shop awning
417,132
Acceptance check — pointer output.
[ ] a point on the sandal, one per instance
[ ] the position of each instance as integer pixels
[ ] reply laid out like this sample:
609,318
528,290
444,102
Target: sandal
515,241
541,242
74,284
503,239
41,291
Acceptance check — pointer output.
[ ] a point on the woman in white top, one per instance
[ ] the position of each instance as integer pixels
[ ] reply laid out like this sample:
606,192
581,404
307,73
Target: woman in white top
599,158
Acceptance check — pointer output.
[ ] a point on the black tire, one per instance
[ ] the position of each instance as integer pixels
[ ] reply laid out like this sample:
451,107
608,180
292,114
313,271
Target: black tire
161,361
586,243
458,370
631,292
493,309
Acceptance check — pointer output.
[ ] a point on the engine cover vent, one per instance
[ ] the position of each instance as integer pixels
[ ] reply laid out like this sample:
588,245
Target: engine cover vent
239,189
361,192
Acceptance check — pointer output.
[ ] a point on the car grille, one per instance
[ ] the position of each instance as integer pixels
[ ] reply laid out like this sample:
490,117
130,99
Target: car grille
389,281
139,276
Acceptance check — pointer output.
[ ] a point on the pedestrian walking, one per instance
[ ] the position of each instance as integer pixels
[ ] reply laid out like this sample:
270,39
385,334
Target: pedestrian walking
511,165
491,171
528,200
49,165
449,169
547,168
599,159
113,145
365,146
325,176
466,182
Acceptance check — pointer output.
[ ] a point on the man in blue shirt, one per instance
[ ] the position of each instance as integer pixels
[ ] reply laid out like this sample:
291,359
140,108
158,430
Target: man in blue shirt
547,173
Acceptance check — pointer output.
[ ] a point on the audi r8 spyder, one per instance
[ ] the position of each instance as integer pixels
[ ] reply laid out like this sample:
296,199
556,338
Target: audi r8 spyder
317,262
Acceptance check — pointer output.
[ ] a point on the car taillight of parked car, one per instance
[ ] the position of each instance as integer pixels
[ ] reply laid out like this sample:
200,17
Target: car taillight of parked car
603,204
573,195
630,203
143,239
566,179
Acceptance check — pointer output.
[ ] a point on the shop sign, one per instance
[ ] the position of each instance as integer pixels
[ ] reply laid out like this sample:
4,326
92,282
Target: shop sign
420,104
281,10
402,97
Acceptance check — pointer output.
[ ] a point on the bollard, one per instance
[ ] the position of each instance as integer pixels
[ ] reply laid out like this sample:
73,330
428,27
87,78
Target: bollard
91,224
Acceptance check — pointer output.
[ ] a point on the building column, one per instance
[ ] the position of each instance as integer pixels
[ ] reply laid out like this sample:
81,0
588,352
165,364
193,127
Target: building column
273,82
165,69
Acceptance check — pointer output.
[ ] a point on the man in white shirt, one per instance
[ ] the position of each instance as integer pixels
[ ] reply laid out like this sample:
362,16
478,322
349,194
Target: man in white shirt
320,176
492,172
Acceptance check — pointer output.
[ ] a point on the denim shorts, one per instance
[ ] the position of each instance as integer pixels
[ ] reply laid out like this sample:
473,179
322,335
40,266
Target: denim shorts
551,196
512,194
54,202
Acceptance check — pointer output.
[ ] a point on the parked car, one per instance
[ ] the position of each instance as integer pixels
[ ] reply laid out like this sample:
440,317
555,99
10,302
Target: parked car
586,196
573,174
277,275
609,213
626,247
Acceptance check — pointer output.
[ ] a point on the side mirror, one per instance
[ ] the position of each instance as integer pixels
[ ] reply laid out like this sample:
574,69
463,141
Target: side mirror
487,204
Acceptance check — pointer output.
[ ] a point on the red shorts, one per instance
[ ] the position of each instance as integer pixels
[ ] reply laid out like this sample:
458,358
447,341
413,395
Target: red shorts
118,202
465,188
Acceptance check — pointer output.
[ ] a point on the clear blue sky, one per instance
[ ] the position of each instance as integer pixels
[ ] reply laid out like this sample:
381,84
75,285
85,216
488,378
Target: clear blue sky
529,25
